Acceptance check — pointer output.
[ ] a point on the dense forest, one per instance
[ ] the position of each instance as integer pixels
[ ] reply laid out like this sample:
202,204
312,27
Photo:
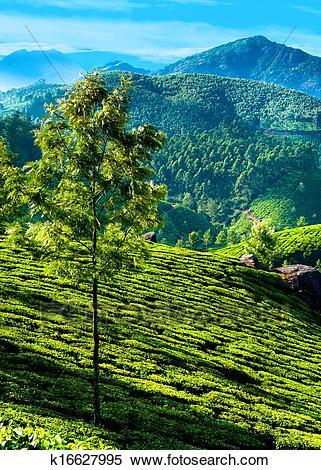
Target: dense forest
220,158
225,169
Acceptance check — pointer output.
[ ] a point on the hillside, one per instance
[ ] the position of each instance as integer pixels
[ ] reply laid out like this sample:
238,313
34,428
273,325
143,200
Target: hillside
186,103
296,245
194,355
256,58
219,148
293,196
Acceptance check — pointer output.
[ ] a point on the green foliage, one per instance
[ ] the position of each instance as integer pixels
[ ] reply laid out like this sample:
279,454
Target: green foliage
226,169
221,238
219,151
295,196
92,176
17,438
30,431
256,58
179,221
17,130
298,245
188,201
263,243
207,238
193,240
90,195
10,185
301,222
194,356
232,236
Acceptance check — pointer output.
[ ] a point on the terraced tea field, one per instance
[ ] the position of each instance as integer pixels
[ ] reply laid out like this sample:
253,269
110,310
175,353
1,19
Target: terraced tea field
295,245
197,352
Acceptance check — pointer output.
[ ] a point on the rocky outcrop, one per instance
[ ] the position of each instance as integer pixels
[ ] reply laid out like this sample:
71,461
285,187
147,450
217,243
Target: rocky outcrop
250,261
150,237
305,281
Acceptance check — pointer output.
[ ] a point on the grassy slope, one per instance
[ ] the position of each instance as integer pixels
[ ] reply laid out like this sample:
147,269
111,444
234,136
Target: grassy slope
284,206
197,352
296,245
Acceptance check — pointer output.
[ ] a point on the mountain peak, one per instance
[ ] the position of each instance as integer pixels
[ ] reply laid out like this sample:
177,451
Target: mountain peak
256,58
118,65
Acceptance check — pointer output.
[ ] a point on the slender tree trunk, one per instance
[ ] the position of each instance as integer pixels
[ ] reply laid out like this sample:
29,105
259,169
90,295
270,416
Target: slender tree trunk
96,385
96,382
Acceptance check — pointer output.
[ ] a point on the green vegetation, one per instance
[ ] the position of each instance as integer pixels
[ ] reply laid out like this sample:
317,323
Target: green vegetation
194,351
179,222
90,195
17,130
219,158
256,58
191,102
263,243
231,167
194,355
296,245
295,197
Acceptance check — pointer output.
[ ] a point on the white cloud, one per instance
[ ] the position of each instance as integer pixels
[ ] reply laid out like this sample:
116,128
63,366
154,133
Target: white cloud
156,41
115,5
210,3
108,5
306,9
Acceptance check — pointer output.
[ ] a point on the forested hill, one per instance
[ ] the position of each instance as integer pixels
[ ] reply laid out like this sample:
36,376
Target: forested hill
178,103
256,58
219,152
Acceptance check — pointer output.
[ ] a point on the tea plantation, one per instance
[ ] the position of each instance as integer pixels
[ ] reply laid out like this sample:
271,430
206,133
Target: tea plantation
295,245
197,352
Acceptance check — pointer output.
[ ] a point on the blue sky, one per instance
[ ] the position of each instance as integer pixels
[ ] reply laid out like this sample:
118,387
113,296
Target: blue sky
159,30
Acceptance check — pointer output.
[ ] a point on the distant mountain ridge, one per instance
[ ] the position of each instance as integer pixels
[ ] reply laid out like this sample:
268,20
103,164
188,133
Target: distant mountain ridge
256,58
120,66
23,67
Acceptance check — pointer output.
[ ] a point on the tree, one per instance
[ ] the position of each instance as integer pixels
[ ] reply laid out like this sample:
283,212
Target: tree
18,132
207,238
10,185
301,222
188,201
90,194
180,243
193,240
232,236
221,238
263,243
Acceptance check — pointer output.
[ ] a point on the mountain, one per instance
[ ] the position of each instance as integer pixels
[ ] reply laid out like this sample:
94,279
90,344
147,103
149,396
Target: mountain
256,58
117,65
197,353
220,148
90,59
22,68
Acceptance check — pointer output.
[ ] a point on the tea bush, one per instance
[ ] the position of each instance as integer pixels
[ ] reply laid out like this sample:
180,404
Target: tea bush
198,352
